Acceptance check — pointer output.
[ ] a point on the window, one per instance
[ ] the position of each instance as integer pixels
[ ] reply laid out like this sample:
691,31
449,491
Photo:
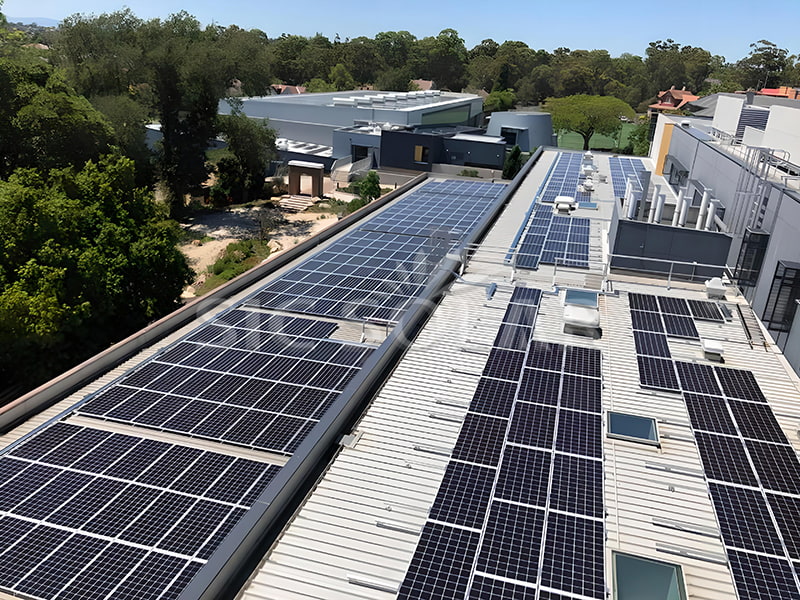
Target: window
633,428
637,578
785,290
421,154
581,298
509,135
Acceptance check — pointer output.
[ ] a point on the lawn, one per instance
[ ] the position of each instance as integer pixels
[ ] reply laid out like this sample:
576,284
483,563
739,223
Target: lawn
573,141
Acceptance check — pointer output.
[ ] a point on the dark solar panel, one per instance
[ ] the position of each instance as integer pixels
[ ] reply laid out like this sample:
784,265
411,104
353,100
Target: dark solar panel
582,361
647,321
577,486
532,425
777,466
725,459
493,397
441,565
511,542
643,302
651,344
541,387
697,378
760,577
757,422
529,296
573,555
480,440
787,515
738,383
524,475
709,413
657,373
504,364
579,433
581,393
673,306
513,337
705,311
744,519
679,326
463,495
545,355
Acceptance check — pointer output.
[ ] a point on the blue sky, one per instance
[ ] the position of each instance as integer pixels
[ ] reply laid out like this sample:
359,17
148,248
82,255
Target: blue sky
725,27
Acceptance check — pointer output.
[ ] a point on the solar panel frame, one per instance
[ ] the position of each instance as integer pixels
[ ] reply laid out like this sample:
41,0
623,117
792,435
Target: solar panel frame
510,546
725,459
760,577
744,519
463,495
574,555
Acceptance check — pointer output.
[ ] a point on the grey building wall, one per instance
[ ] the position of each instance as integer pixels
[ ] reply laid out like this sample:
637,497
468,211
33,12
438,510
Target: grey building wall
533,129
398,150
344,140
471,153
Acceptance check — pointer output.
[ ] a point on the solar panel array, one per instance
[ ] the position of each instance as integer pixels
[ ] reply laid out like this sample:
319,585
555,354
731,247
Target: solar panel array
376,271
106,512
554,239
520,507
654,319
753,476
250,379
438,206
86,513
752,471
621,169
564,178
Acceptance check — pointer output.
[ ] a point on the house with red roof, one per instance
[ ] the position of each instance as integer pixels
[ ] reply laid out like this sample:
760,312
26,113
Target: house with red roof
672,99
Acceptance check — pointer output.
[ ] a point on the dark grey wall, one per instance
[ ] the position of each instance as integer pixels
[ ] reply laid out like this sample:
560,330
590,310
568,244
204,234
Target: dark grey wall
473,154
397,150
666,243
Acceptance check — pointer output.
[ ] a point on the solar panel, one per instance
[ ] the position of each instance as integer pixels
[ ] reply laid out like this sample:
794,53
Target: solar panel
657,373
581,393
679,326
777,466
541,387
647,321
532,425
573,555
705,311
577,486
545,355
759,577
757,422
480,440
463,495
493,397
724,459
441,564
673,306
524,476
708,413
643,302
786,510
579,433
697,378
504,364
744,519
622,168
651,344
512,337
511,542
738,383
582,361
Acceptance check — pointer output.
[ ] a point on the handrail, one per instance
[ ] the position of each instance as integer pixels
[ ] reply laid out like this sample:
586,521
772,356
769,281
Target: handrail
672,264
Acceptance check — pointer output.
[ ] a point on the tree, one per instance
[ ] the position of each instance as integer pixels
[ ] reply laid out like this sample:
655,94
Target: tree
446,59
394,80
252,145
86,259
512,163
370,187
341,79
498,100
765,65
587,115
318,85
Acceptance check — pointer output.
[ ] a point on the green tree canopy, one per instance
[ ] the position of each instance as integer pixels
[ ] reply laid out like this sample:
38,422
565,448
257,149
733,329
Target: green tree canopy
86,259
370,187
498,100
587,115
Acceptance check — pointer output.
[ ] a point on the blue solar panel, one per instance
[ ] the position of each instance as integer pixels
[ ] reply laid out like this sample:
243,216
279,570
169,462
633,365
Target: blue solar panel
621,169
